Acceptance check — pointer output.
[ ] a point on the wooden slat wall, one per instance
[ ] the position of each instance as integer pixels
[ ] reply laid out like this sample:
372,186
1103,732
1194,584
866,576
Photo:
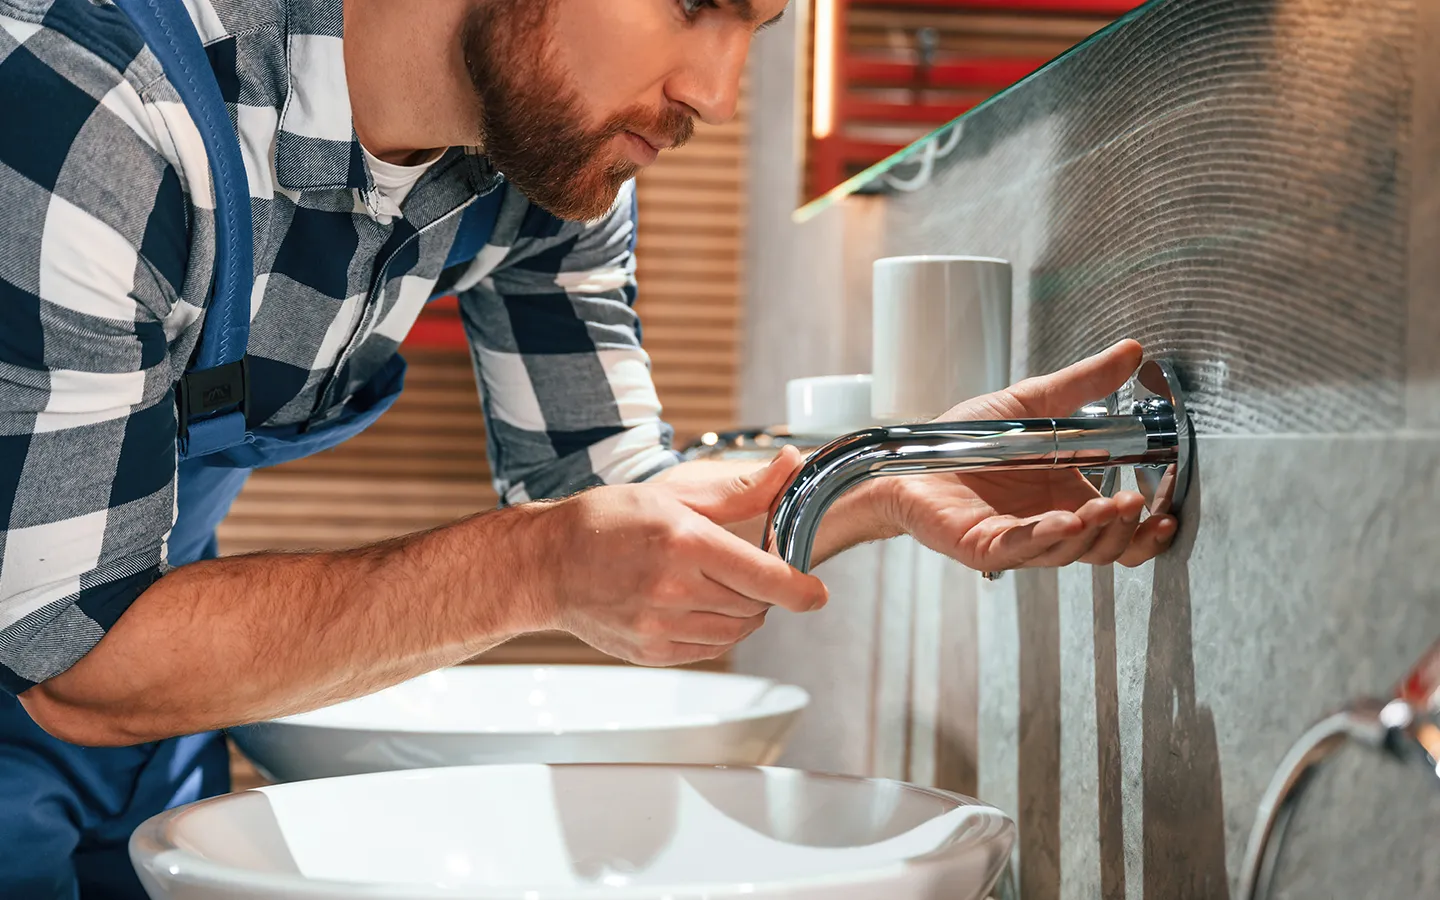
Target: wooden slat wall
423,464
692,218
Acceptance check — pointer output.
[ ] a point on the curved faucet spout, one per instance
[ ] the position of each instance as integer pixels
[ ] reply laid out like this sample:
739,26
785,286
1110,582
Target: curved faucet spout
1405,727
1156,434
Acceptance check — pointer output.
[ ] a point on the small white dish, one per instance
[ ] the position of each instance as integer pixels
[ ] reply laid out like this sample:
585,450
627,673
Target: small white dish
547,714
827,406
577,833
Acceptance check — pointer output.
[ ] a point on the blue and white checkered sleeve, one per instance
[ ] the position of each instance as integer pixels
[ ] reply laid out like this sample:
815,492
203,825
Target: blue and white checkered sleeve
566,386
93,247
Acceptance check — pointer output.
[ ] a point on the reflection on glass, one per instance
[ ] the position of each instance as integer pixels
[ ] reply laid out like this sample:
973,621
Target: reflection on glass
910,168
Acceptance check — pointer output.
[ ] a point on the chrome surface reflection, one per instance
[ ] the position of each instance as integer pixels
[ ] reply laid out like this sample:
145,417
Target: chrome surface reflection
580,833
1406,727
545,714
1155,437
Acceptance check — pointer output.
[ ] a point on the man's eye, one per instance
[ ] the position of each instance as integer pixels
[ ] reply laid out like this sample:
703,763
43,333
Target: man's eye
693,8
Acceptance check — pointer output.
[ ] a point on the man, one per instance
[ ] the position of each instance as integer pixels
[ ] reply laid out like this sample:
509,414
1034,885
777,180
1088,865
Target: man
368,127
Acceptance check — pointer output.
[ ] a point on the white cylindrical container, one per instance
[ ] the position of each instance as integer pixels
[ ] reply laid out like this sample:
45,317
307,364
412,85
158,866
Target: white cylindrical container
941,333
827,406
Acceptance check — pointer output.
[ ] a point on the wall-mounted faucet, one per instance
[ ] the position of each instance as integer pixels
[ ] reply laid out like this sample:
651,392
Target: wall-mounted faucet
1406,726
1155,437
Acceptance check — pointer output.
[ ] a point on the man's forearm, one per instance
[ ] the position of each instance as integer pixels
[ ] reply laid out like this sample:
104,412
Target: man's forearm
235,640
853,519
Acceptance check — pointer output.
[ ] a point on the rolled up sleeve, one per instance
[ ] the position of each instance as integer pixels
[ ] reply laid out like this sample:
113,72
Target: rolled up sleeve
565,384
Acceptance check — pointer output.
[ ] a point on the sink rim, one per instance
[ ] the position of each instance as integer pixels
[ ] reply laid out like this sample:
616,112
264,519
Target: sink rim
777,699
155,836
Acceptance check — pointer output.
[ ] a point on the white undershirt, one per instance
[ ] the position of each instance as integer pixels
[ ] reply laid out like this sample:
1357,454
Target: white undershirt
395,182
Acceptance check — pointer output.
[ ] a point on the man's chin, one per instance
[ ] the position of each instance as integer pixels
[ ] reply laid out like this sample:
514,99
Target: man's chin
577,203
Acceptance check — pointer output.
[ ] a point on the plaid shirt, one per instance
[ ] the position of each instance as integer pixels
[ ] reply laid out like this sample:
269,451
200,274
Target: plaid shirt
106,254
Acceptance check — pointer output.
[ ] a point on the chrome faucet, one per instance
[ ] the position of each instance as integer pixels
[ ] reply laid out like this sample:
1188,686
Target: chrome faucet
1405,727
1155,437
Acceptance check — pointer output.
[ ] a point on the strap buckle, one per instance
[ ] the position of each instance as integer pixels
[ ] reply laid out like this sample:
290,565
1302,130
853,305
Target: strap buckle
204,392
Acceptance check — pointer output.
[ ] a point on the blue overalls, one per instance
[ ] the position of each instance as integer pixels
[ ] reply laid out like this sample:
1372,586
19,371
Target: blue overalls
66,812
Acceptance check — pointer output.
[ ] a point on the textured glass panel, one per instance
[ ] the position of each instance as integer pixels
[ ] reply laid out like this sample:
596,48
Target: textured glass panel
1226,180
913,165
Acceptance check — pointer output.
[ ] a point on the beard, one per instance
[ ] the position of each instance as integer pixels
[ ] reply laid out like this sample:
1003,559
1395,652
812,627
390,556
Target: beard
533,124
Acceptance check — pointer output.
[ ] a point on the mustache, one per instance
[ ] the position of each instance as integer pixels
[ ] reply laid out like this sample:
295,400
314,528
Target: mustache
670,125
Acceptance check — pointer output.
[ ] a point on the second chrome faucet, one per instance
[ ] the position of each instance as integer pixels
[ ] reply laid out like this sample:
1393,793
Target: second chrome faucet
1155,437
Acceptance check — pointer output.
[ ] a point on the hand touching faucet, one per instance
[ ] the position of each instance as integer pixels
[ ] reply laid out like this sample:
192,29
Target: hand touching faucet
652,576
997,482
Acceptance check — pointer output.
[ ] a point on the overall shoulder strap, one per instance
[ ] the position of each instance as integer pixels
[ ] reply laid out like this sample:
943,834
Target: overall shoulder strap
213,396
477,225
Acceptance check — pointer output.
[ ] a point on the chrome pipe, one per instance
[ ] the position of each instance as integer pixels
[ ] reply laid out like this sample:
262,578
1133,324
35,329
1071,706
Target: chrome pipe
1405,727
1151,437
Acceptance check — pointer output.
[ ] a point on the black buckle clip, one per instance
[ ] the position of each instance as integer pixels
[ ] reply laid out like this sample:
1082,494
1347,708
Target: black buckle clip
202,392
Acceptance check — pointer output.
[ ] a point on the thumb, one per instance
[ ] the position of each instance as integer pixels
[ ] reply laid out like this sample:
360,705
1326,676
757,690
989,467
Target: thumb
1063,392
726,501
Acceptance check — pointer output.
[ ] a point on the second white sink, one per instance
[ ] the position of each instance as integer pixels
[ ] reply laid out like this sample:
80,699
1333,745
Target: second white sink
534,714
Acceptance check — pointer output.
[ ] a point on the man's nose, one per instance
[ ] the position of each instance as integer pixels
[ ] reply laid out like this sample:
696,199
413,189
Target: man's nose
709,81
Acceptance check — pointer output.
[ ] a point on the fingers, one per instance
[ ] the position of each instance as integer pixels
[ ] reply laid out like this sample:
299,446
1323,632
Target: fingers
749,571
694,637
1096,517
744,496
1151,539
1114,538
1101,532
712,629
681,654
711,596
1065,391
1006,542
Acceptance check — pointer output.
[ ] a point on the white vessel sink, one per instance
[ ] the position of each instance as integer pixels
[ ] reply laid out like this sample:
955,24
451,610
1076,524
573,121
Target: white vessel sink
586,832
533,714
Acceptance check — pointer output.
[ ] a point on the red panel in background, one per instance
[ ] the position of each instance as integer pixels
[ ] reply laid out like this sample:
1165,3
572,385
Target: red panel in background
993,74
438,327
905,113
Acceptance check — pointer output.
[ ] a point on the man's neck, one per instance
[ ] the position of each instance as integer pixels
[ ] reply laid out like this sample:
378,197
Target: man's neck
410,94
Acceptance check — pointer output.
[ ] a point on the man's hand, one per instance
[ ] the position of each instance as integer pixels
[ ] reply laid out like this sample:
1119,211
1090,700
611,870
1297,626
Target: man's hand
1010,520
647,573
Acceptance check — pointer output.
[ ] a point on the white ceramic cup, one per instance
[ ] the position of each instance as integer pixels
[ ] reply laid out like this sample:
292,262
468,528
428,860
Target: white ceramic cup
941,333
827,405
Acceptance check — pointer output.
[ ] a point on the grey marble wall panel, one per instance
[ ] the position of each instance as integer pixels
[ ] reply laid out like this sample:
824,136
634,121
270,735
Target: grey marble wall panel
1109,843
1423,163
1354,797
1080,810
1305,575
